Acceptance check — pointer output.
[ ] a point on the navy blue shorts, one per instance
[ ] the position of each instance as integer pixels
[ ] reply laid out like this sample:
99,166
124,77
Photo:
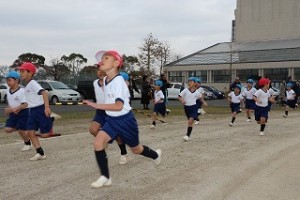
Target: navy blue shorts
199,104
250,104
100,117
269,106
235,107
18,121
291,103
125,127
261,112
38,120
160,108
191,111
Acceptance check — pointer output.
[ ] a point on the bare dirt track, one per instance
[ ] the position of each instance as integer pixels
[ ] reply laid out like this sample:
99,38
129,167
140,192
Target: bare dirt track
220,162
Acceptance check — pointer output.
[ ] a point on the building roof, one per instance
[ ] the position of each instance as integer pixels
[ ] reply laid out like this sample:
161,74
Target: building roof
244,52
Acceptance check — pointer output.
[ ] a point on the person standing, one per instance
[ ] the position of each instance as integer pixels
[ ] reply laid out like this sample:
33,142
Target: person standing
132,87
166,84
235,82
146,93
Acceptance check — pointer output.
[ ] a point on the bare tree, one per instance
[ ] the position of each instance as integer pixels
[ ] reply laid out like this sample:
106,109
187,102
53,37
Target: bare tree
129,62
163,54
57,69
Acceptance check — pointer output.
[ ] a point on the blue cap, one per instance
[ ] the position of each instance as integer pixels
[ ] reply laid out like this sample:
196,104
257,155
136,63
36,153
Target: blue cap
238,86
289,85
250,81
125,76
159,83
198,80
192,79
13,74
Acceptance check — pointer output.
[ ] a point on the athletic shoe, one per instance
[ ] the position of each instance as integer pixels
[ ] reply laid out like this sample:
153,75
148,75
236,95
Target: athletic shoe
55,116
157,161
186,138
197,122
168,111
231,124
285,116
102,181
38,157
248,120
152,126
123,159
201,111
261,133
26,148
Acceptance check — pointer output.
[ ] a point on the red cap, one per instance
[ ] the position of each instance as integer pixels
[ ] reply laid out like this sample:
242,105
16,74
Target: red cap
113,53
28,67
263,82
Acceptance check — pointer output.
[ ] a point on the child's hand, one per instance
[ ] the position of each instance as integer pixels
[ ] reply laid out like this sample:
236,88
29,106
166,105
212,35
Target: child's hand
205,104
47,111
89,103
182,101
16,111
7,111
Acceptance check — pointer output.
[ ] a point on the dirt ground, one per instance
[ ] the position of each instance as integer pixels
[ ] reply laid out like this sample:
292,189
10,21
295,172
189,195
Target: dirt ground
220,162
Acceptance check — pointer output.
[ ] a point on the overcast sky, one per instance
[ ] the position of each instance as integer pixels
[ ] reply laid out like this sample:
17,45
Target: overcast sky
60,27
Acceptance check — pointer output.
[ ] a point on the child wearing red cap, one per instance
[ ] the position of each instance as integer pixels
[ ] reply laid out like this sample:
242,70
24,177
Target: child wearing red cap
261,98
39,109
120,121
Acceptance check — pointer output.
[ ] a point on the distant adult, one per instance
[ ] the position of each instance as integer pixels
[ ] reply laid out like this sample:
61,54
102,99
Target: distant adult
281,95
132,87
166,84
235,82
146,93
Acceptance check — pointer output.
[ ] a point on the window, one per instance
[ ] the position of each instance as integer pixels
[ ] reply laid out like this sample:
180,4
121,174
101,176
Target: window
45,85
175,77
297,74
3,87
277,75
220,76
177,86
245,74
199,73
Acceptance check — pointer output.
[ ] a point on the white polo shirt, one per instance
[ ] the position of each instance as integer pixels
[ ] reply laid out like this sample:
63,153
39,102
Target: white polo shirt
290,95
159,96
189,97
116,89
201,91
248,94
271,92
99,92
235,98
33,94
263,97
16,98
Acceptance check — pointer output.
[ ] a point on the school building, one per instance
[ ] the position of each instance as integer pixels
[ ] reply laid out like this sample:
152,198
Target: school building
265,42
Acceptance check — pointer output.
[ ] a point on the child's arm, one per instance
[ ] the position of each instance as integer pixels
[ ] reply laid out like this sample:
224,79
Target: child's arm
46,103
256,99
203,101
181,99
117,106
19,108
272,99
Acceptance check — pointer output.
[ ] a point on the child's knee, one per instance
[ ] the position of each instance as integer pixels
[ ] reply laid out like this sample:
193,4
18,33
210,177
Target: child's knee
8,130
137,150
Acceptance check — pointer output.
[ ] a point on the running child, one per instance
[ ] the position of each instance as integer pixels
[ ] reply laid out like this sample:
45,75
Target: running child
17,109
248,93
261,98
39,109
200,101
159,103
290,99
188,98
120,121
235,99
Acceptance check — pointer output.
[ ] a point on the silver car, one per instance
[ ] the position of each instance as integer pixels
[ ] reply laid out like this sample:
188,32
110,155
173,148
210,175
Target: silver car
59,92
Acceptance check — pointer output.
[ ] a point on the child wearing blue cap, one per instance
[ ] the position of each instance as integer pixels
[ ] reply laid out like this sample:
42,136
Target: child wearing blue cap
200,101
17,109
159,103
290,99
235,99
248,93
188,98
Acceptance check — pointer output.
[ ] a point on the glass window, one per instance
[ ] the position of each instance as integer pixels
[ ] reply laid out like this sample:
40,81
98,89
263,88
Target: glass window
297,73
3,87
277,75
245,74
199,73
175,76
220,76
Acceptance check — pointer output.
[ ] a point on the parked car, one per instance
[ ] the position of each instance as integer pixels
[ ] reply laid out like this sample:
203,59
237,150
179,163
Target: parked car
209,95
86,89
59,92
3,90
219,94
174,90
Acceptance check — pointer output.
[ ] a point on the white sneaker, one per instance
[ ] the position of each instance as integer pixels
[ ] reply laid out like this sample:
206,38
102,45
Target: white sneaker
201,111
285,116
186,138
38,157
248,120
26,148
123,159
261,133
197,122
102,181
231,124
157,161
152,126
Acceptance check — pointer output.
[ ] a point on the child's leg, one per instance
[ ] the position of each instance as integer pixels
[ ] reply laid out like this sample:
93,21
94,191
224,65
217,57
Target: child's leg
144,151
262,124
122,146
287,110
154,117
9,129
25,137
100,144
233,117
94,128
35,141
248,113
190,127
